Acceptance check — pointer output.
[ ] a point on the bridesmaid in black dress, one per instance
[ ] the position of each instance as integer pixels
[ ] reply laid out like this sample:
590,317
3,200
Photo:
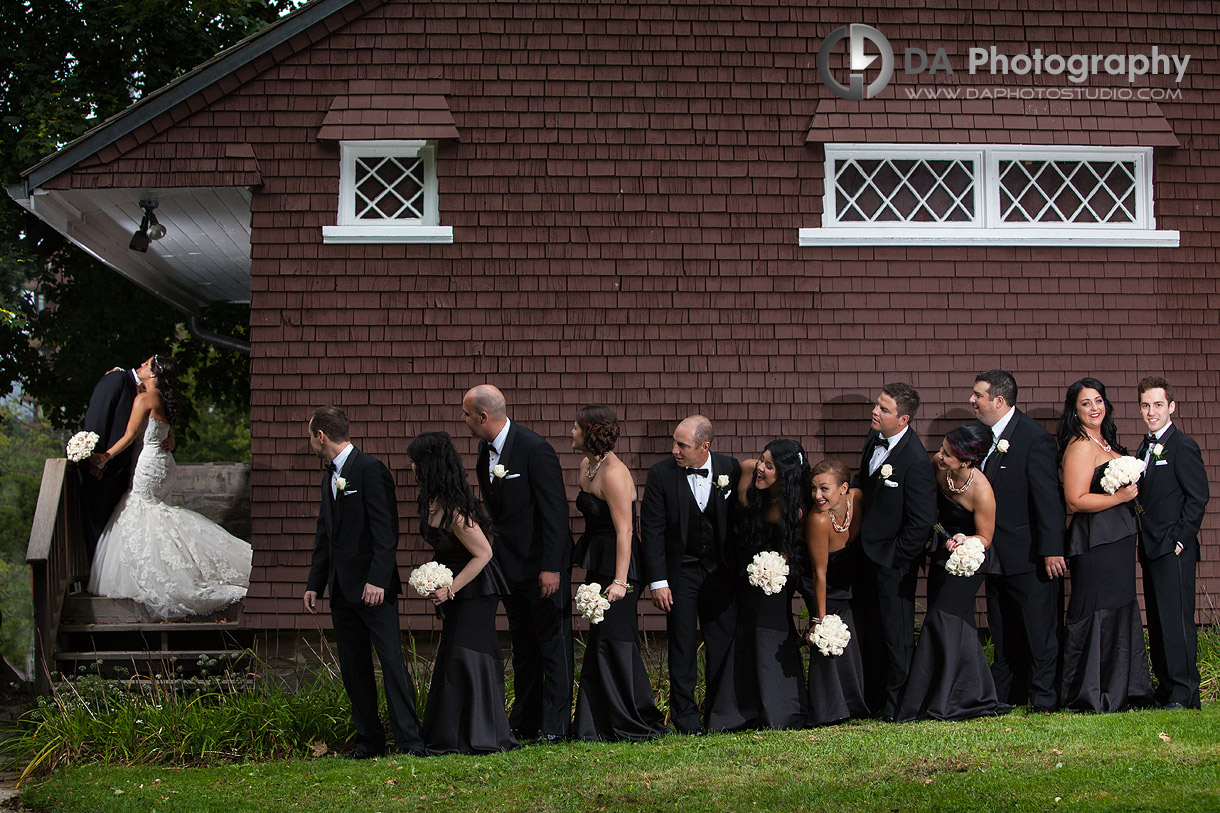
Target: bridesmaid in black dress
762,681
465,709
1105,663
836,682
614,701
950,678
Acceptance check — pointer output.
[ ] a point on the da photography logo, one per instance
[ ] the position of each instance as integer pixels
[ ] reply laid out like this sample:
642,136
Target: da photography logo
859,61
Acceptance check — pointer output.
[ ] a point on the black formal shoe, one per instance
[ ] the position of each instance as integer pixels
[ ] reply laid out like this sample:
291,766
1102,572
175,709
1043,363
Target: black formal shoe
888,718
551,739
1039,709
1172,706
363,752
410,752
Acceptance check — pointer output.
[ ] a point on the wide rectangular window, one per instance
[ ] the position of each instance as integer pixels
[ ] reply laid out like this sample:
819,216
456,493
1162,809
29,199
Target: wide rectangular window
910,194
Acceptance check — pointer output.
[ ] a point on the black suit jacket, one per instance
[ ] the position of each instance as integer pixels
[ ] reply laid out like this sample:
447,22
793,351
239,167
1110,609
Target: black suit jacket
1030,512
1173,494
666,510
529,506
898,518
357,537
108,413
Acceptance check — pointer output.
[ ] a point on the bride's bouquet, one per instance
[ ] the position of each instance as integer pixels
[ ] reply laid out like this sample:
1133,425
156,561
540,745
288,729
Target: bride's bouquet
430,577
830,635
768,571
967,557
590,602
1121,471
81,446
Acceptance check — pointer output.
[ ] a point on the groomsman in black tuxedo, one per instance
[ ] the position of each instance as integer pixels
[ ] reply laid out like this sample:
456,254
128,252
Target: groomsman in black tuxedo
355,556
686,543
1173,496
899,511
522,486
1024,601
107,415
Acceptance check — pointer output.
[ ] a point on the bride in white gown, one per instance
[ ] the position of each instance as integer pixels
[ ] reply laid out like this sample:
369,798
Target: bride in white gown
170,559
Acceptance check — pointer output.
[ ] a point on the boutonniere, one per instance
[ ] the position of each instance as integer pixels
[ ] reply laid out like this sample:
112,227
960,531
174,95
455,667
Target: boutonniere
1001,447
1158,451
722,485
885,472
341,487
501,472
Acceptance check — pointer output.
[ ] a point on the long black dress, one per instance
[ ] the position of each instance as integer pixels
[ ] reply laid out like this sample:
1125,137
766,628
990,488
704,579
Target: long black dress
950,678
465,710
1105,663
614,701
762,680
836,682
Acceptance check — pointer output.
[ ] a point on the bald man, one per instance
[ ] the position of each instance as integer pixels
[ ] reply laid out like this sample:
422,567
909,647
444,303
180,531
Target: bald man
684,535
522,486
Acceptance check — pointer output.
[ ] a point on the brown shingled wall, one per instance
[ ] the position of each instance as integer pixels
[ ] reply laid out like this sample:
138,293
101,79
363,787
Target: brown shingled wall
625,198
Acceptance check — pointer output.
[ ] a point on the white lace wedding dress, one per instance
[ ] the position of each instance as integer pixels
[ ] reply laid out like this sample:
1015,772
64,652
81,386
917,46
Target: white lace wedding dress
170,559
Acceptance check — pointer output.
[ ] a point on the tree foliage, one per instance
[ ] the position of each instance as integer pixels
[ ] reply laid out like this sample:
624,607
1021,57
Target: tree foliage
64,318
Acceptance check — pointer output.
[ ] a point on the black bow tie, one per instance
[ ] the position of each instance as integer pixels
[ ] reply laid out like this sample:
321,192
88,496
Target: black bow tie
881,442
1150,439
330,467
696,472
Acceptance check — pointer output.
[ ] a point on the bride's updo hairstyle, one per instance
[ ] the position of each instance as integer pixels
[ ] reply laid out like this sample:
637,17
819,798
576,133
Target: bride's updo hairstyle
600,425
165,369
969,442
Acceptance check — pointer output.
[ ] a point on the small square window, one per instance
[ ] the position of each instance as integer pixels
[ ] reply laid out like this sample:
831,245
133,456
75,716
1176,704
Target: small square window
388,194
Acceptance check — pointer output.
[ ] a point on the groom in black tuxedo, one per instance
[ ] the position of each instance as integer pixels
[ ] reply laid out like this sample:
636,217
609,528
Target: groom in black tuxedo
522,486
899,511
355,556
107,415
1025,600
686,543
1173,496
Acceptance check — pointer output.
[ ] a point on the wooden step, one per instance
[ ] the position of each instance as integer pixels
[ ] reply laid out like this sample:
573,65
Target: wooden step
146,655
163,626
84,609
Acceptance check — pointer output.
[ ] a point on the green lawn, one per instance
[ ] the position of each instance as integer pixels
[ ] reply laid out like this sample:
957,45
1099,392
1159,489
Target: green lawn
1148,760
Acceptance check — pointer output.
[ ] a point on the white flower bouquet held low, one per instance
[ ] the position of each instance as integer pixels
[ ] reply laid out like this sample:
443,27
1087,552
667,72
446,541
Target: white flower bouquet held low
81,446
768,571
967,557
590,602
430,577
830,635
1120,472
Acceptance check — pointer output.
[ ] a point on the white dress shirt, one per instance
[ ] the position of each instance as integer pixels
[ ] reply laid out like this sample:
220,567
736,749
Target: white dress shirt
701,488
996,431
339,460
497,446
880,453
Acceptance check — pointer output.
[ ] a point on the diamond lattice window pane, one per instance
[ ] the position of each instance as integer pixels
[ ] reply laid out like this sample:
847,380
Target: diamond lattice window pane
389,188
1067,191
904,190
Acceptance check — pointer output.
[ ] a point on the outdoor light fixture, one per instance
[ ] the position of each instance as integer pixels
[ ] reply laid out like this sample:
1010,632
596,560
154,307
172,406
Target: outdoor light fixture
149,229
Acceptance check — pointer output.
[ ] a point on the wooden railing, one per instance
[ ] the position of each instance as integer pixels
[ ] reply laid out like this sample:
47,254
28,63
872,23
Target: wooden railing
57,558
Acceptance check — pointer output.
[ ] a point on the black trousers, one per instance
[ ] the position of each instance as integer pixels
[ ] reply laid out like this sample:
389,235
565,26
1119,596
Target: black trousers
1025,616
703,598
887,605
1173,641
541,633
358,631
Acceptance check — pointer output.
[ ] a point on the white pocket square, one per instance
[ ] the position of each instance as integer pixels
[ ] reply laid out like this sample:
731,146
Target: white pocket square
890,483
1162,462
511,476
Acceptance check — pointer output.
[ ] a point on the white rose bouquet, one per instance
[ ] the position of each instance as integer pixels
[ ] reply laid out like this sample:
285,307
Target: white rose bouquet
967,557
81,446
590,602
1121,471
768,571
430,577
830,635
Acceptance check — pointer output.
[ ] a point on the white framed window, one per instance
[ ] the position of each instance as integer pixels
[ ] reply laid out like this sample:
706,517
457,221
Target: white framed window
387,194
910,194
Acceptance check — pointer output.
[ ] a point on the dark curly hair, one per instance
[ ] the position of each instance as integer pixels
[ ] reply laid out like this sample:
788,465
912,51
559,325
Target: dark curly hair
442,481
600,425
969,442
793,477
1070,428
166,371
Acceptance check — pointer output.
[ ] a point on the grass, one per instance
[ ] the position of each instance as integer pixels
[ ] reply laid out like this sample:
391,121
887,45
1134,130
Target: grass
1146,760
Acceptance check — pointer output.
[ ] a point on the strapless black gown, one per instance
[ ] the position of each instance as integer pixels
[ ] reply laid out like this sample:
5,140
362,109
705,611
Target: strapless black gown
1105,663
762,682
950,678
465,709
836,683
614,700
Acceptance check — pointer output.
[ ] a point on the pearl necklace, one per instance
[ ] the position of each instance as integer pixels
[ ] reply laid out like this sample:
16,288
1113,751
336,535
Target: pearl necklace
591,473
1105,447
954,489
846,520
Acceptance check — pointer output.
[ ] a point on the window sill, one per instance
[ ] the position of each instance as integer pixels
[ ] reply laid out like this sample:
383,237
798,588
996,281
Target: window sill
387,234
883,236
